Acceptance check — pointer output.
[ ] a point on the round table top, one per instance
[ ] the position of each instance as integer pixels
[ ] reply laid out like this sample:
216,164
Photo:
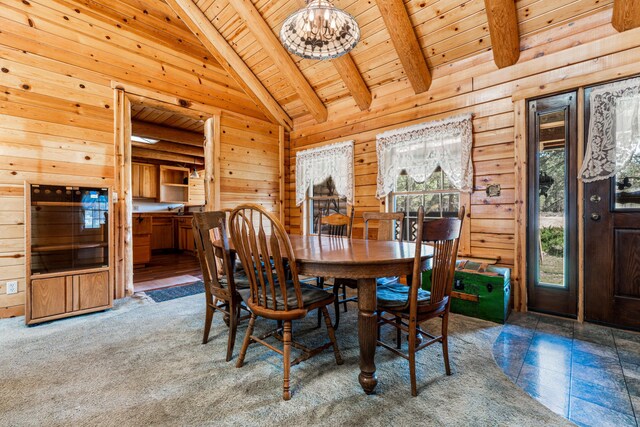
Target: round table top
354,258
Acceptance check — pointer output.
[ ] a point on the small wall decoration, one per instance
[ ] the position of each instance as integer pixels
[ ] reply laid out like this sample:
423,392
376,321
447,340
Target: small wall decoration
493,190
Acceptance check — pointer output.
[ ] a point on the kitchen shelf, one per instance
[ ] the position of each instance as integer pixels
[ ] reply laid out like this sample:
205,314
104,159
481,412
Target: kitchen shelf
66,204
174,186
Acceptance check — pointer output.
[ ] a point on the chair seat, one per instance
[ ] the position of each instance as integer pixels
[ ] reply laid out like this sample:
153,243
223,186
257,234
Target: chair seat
382,281
310,296
395,295
240,279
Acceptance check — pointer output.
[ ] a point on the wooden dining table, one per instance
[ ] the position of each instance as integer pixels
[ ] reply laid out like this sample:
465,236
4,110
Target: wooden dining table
365,261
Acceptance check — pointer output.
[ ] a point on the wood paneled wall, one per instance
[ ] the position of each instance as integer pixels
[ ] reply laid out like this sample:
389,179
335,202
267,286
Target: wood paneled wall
249,170
473,85
58,59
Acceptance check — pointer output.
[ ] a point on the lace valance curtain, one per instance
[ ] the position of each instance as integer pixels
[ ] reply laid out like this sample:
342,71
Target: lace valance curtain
419,150
614,129
315,165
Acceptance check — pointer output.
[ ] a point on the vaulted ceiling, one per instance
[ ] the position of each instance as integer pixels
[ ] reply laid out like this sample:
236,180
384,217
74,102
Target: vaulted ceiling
289,87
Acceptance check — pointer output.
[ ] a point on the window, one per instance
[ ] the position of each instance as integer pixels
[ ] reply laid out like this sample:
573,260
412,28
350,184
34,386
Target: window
95,207
437,194
324,181
323,198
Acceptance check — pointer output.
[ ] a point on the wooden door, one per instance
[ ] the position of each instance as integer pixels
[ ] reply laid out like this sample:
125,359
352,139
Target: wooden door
552,227
162,233
612,245
149,182
91,290
49,297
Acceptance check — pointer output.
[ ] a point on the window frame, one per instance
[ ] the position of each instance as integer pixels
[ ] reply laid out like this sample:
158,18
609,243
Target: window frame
406,226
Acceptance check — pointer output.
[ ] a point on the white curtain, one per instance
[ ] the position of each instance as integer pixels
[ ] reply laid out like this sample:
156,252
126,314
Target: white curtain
315,165
614,129
420,149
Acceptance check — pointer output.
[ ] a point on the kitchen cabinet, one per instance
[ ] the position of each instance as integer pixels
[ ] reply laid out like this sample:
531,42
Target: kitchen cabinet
144,181
184,233
174,184
196,190
142,230
61,296
162,233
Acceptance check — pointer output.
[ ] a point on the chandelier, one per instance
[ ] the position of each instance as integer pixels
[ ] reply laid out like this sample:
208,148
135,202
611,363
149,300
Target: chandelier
320,31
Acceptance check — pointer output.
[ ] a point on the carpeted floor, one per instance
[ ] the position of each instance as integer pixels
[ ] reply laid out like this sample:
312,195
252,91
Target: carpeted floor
142,363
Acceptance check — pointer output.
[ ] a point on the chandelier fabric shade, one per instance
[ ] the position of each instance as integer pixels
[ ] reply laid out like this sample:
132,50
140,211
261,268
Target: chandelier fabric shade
320,31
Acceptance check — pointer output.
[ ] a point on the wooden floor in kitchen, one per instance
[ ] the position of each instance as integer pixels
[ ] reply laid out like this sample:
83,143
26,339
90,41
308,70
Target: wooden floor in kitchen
167,269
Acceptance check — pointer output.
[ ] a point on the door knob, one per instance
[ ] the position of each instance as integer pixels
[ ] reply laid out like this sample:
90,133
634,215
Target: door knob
595,198
595,216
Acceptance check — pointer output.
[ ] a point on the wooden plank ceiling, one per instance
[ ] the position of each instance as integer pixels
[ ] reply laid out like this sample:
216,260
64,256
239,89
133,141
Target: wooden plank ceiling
165,118
446,31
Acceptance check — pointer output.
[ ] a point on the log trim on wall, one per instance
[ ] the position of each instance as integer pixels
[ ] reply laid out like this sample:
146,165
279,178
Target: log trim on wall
123,228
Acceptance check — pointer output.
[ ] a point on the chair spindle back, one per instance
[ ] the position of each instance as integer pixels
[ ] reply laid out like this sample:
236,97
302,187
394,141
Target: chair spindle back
260,239
444,235
337,224
214,261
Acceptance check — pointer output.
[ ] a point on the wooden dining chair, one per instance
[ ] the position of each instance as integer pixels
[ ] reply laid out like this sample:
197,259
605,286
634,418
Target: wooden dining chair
221,281
389,225
258,236
411,305
338,225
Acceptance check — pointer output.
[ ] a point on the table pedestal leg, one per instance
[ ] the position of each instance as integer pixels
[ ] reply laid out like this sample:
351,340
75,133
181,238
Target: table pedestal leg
367,333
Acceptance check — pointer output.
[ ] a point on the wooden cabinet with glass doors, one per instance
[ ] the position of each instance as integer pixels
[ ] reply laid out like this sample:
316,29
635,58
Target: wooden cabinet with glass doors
68,251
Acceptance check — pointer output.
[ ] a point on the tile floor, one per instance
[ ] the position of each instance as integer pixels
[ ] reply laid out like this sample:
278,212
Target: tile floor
587,373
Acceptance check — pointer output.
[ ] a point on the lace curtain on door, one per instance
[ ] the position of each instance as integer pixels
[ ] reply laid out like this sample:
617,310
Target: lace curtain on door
419,150
614,129
315,165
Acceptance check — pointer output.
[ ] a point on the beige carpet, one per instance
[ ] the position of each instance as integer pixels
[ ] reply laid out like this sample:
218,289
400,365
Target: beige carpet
142,363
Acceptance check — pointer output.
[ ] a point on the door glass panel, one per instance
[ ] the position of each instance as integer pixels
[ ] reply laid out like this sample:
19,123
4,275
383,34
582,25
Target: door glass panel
552,201
627,185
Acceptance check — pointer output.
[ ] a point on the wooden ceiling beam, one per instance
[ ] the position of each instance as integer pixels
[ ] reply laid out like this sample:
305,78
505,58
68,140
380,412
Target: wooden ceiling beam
396,19
163,133
146,153
353,80
172,147
218,46
271,44
503,29
626,14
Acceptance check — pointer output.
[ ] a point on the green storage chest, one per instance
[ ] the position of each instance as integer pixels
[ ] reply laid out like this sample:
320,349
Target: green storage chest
479,290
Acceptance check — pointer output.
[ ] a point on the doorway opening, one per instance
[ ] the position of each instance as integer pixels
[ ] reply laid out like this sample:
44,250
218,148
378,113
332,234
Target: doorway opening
167,186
